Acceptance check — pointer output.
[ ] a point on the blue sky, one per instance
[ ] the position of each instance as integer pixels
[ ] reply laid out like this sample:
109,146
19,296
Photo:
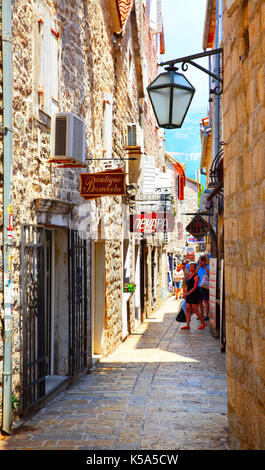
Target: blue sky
183,27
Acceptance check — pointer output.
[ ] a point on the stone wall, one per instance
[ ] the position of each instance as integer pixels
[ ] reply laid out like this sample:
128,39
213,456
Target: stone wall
153,142
244,215
87,71
90,66
1,222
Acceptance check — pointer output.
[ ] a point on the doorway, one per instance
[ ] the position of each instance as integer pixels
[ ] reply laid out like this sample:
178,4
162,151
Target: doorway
45,306
37,296
137,295
78,304
99,298
125,295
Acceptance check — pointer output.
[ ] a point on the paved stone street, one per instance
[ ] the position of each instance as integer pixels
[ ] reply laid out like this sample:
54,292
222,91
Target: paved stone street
163,388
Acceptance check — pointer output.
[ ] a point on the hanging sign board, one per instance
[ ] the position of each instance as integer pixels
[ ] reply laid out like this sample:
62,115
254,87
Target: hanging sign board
105,183
152,222
195,240
198,227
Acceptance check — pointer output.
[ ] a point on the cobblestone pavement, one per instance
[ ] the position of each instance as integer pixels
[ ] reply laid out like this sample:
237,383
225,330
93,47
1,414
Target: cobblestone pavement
163,388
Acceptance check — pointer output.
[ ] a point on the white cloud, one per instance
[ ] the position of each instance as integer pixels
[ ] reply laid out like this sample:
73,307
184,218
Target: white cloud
186,156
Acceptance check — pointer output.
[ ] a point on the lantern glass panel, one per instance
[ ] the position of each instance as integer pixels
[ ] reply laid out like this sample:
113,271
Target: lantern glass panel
163,79
181,102
179,79
161,103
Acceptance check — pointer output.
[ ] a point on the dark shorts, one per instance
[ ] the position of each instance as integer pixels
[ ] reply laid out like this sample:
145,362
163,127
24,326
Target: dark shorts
193,298
204,294
178,284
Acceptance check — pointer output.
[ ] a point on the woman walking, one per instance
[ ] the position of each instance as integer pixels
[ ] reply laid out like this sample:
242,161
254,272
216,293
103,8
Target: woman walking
192,297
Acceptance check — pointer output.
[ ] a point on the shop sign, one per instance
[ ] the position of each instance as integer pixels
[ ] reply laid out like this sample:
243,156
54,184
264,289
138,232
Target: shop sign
198,227
149,197
152,222
195,240
105,183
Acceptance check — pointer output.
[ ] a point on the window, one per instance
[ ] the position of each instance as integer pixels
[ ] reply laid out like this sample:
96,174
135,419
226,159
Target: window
46,60
180,230
130,74
107,130
145,78
180,183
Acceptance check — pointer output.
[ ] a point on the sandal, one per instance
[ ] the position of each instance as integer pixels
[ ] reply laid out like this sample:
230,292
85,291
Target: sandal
185,327
202,326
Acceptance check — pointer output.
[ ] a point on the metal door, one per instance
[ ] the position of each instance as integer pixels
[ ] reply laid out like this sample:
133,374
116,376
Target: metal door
33,241
77,303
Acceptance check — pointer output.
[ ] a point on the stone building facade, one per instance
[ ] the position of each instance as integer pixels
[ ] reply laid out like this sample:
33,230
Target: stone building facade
212,150
184,191
189,205
149,248
68,303
244,215
238,114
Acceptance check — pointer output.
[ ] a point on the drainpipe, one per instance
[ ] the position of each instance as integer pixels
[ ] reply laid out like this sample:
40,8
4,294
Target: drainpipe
141,13
218,31
7,218
210,100
217,71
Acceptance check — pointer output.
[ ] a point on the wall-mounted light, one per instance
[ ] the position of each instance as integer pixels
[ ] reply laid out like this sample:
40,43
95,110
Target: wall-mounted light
171,92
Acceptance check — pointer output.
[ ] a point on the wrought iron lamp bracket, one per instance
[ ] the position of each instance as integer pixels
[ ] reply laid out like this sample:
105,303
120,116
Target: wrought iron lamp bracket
119,161
189,60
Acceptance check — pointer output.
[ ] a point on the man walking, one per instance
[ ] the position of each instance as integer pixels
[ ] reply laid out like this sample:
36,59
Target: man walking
203,273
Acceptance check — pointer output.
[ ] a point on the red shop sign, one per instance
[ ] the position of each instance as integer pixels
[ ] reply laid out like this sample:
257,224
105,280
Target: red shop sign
152,222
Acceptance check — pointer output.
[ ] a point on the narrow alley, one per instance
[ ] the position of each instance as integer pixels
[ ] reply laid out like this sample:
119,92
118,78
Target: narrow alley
163,388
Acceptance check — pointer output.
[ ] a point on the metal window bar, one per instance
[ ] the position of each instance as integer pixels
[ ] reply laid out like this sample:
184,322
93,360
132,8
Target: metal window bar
77,303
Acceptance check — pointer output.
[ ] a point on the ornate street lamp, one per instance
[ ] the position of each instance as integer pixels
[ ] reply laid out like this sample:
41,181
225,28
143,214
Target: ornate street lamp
171,93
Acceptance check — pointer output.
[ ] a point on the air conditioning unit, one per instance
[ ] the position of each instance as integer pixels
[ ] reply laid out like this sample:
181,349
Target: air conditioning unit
135,136
68,138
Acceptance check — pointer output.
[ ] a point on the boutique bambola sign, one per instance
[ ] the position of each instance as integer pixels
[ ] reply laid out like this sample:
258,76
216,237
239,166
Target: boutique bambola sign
104,183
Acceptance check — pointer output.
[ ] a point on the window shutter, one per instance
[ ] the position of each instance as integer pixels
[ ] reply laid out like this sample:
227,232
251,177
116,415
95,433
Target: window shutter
149,174
53,68
180,230
181,187
45,61
39,53
47,56
177,186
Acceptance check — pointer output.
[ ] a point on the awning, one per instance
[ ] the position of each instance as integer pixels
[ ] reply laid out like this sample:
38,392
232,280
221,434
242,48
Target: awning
124,9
